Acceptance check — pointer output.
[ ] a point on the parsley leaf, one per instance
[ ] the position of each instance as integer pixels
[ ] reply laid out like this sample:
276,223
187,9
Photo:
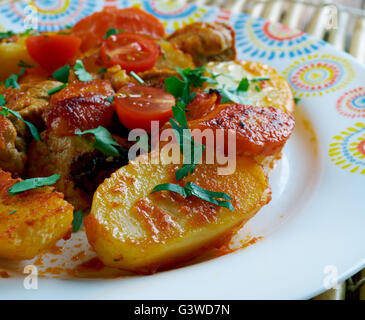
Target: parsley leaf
135,76
80,71
77,221
12,212
102,70
110,99
111,32
192,189
296,100
2,100
6,34
259,79
23,64
189,148
62,74
32,128
56,89
234,95
33,183
12,81
104,141
243,85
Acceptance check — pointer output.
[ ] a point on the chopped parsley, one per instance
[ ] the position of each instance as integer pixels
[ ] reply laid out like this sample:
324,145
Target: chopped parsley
192,189
110,99
23,64
5,111
112,31
33,183
56,89
189,148
12,81
135,76
12,212
102,70
80,71
6,34
62,74
2,100
104,141
77,221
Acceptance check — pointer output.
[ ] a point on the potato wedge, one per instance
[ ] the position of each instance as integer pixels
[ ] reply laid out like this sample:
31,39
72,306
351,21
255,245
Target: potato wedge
12,52
134,230
30,221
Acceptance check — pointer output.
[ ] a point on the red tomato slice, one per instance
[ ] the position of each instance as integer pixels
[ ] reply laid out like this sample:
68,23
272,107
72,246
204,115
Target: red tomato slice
52,51
137,106
133,52
93,28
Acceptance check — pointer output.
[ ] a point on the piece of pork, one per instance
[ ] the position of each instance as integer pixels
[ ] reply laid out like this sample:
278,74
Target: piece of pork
206,41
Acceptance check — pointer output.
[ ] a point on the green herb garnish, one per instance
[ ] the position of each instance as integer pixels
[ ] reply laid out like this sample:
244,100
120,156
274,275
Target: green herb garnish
243,85
102,70
191,189
104,141
80,71
111,32
259,79
62,74
56,89
110,99
2,100
12,81
257,88
6,34
296,100
5,111
135,76
32,183
77,221
189,148
23,64
12,212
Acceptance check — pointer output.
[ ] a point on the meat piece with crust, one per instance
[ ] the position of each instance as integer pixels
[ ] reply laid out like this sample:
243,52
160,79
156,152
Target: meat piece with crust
206,41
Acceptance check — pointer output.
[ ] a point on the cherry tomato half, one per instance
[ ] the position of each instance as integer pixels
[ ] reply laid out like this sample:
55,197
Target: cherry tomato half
93,28
137,106
52,51
133,52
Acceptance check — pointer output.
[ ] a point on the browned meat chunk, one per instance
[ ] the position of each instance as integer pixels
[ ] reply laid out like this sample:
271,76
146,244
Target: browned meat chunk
81,167
12,148
31,100
206,41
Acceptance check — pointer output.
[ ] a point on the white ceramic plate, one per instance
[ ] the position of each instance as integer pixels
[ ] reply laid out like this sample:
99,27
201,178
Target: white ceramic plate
313,229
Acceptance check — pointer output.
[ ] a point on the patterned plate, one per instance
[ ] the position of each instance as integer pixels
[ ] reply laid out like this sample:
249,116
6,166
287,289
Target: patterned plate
311,234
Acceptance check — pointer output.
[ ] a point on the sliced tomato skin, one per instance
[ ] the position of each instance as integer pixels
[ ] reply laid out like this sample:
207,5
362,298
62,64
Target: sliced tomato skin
53,51
80,106
137,106
133,52
93,28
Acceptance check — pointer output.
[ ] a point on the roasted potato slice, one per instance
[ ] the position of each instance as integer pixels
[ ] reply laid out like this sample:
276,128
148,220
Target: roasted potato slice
132,229
275,91
30,221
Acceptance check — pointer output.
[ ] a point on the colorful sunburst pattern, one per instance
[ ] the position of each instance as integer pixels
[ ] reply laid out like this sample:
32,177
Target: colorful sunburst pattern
173,14
347,149
262,39
48,15
316,74
352,103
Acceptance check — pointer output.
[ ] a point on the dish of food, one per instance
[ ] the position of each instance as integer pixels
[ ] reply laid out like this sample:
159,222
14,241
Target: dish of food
103,176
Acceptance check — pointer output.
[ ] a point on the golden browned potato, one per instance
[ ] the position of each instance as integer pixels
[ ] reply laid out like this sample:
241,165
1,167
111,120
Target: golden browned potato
132,229
30,221
12,52
274,92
